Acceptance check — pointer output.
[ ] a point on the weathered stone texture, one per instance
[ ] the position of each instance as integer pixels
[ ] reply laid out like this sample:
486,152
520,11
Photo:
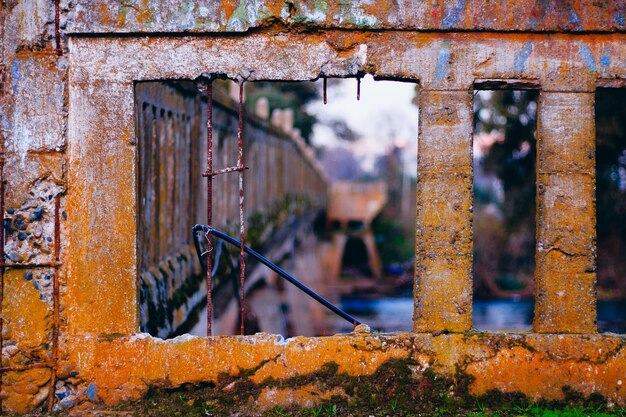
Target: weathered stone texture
443,262
68,124
565,274
30,25
124,368
239,16
35,111
26,335
107,179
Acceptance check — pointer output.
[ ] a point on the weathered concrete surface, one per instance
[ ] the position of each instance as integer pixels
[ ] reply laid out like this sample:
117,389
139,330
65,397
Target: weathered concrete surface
566,219
124,368
26,334
143,16
560,62
67,123
443,235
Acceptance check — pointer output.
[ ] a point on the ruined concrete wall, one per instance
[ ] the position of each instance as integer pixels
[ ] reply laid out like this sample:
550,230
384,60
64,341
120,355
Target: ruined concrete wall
69,297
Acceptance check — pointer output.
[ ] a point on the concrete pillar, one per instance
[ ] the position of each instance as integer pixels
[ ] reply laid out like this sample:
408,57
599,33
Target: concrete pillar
443,264
565,275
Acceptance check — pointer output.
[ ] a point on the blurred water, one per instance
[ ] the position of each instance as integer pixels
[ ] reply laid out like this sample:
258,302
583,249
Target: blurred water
395,314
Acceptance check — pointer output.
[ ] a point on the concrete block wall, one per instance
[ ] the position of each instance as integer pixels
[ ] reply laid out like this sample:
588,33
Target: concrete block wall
68,131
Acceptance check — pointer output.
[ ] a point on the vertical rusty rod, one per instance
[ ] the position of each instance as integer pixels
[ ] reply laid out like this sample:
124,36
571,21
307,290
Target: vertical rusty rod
2,266
358,88
242,226
57,27
55,300
209,206
325,85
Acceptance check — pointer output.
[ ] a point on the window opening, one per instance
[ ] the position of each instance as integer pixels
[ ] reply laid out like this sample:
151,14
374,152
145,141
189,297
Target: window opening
610,114
368,147
504,150
274,128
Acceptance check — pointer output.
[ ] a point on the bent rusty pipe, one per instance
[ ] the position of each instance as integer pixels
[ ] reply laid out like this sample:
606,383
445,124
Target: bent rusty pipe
221,235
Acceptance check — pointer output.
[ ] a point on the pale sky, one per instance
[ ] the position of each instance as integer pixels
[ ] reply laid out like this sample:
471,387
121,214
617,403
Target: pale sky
384,115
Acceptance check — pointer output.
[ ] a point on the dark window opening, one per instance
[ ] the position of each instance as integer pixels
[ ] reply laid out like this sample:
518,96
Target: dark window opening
610,124
504,208
355,260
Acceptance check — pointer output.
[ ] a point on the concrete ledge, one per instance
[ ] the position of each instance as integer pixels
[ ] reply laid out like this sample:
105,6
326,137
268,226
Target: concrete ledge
113,369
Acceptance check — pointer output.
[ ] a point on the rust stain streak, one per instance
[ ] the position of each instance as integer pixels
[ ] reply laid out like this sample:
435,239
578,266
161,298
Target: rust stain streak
55,301
2,266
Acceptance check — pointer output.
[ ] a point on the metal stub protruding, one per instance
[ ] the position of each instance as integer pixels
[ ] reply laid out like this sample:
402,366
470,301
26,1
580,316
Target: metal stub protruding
203,81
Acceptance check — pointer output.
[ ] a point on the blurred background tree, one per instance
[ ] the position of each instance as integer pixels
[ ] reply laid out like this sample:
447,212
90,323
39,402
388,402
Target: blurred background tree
504,228
504,186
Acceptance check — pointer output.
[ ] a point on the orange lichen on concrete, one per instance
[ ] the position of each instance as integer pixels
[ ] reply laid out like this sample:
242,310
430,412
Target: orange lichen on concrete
68,122
25,313
26,333
565,272
443,282
124,368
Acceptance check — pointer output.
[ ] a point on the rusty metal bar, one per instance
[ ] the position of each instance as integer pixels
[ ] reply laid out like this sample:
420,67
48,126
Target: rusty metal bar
242,225
55,301
209,209
57,27
2,266
206,230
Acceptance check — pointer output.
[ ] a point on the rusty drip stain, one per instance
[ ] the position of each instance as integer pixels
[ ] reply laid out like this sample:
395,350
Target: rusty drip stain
358,88
325,86
209,208
3,79
55,301
57,27
242,226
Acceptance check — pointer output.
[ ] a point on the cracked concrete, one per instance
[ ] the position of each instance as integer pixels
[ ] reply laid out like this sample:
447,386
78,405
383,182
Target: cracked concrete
67,125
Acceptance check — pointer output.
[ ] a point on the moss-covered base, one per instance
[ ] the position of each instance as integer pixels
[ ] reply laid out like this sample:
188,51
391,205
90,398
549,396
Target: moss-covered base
400,387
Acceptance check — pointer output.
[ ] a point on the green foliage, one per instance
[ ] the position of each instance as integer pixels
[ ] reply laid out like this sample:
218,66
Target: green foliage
394,243
279,411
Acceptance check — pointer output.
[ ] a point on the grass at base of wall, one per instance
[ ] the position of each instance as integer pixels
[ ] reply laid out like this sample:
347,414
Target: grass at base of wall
329,409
